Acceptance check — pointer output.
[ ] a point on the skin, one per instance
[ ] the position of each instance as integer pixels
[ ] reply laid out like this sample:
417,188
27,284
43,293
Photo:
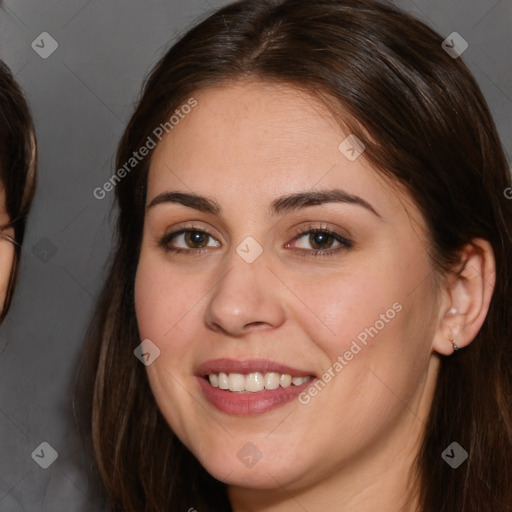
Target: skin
6,250
352,446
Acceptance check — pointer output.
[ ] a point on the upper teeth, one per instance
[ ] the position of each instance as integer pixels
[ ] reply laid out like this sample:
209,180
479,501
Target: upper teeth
254,382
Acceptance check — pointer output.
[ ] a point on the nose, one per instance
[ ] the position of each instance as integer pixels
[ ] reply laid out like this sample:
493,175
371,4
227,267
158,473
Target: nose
245,299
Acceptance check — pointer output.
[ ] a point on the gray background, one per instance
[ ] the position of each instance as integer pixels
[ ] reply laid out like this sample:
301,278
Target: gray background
81,98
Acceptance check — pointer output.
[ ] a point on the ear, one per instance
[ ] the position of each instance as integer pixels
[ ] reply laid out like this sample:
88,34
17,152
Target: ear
466,295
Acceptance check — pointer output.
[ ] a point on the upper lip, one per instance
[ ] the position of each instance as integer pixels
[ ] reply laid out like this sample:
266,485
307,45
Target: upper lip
245,366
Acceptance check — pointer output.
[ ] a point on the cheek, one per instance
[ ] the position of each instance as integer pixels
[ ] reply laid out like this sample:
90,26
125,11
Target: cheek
372,321
163,298
340,307
164,302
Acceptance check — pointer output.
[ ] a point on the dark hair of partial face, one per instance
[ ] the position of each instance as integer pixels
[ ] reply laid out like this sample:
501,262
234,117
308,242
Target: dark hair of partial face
18,157
427,128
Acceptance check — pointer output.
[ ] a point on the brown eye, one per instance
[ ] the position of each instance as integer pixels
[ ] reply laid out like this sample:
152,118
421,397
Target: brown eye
195,239
321,240
188,239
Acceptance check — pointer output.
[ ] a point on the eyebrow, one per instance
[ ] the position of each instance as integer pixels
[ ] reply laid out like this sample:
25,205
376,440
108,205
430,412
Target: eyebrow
290,202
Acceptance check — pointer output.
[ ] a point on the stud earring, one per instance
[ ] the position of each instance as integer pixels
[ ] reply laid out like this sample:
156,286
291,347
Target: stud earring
455,347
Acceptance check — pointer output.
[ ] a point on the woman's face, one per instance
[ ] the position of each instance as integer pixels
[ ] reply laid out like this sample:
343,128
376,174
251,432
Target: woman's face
263,297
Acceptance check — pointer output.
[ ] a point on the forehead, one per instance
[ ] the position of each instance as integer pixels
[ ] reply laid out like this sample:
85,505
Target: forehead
254,119
259,140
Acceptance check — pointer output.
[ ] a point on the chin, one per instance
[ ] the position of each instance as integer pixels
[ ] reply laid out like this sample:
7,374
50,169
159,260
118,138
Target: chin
244,467
262,477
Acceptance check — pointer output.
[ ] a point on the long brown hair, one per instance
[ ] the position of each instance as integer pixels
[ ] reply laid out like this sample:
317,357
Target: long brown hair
18,159
425,125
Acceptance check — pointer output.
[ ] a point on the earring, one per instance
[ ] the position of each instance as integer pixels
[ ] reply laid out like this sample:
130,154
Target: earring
455,347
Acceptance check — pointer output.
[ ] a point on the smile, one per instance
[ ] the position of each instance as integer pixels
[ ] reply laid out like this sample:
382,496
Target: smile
250,386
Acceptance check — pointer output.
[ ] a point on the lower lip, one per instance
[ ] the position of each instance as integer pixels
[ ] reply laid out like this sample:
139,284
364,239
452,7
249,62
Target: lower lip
248,404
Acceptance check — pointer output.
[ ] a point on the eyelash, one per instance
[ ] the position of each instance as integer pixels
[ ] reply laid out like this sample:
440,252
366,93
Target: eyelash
344,242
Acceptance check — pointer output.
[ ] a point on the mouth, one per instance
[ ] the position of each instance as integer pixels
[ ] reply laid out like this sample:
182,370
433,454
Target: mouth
247,387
